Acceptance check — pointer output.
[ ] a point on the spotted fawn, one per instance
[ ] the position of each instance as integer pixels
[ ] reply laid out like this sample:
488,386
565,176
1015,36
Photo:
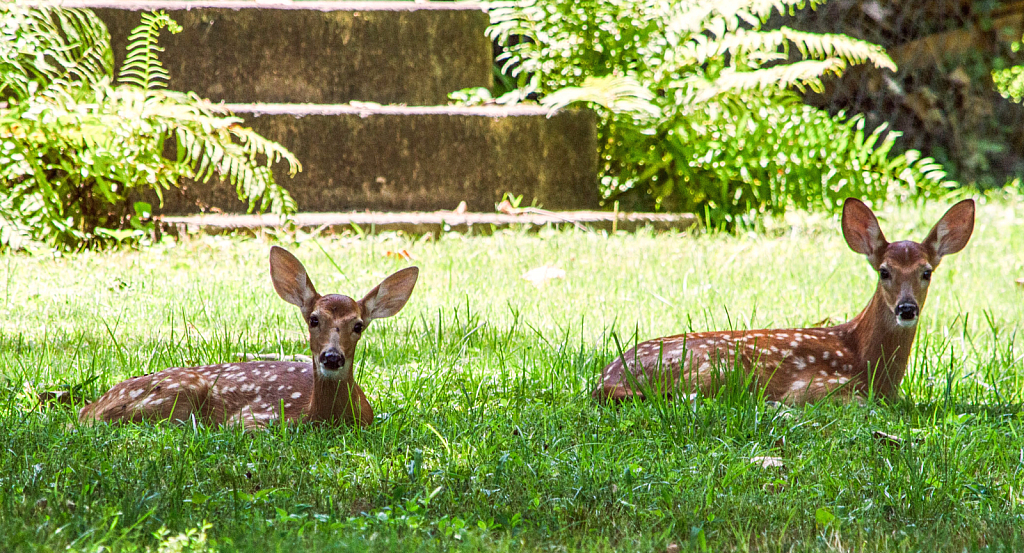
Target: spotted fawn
866,355
257,393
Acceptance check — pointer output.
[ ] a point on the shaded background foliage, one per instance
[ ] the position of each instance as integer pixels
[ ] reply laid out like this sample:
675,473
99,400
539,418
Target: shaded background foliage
942,98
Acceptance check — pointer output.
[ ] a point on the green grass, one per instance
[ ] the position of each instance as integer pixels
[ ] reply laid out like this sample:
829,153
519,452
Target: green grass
488,438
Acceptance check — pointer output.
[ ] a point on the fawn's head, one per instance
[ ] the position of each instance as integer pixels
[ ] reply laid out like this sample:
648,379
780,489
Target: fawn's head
905,267
336,322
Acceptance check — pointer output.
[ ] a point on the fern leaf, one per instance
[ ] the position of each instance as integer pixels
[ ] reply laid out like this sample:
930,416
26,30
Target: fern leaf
801,74
616,94
257,144
812,45
142,67
41,48
764,46
207,145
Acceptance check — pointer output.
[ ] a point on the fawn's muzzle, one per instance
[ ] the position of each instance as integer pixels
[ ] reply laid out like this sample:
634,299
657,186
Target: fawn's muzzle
331,360
907,312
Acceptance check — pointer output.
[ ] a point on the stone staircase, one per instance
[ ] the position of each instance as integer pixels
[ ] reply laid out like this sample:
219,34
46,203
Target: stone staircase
358,91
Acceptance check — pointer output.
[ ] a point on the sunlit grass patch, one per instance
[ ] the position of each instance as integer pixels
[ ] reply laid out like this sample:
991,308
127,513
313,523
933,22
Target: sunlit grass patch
486,436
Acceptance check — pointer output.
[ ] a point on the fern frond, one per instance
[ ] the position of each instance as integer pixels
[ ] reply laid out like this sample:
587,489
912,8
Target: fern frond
761,47
801,74
689,18
726,16
43,47
212,142
750,10
616,94
202,147
90,59
511,18
142,67
810,45
256,145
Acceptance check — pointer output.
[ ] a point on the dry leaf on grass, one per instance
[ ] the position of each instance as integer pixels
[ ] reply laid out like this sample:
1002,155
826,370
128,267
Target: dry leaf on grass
541,275
403,254
506,207
892,441
768,462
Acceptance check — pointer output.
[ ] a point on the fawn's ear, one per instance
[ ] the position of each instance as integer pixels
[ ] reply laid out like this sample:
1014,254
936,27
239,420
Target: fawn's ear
390,296
291,281
952,232
861,230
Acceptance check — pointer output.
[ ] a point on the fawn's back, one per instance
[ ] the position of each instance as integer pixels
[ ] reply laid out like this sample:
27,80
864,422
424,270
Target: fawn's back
247,393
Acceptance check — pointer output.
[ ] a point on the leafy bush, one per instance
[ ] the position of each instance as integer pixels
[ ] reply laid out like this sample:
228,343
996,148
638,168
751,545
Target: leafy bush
1010,81
76,149
698,106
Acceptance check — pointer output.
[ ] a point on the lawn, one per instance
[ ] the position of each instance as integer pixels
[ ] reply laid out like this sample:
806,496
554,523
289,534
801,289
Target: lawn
486,437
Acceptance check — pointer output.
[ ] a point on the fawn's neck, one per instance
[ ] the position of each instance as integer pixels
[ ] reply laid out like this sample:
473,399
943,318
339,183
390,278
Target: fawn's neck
881,345
337,400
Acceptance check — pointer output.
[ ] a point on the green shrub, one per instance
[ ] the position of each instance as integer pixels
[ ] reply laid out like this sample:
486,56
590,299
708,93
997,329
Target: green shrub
698,107
76,149
1010,81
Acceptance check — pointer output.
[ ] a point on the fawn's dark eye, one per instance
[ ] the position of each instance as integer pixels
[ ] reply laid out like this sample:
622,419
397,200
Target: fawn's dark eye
884,273
927,274
314,321
357,328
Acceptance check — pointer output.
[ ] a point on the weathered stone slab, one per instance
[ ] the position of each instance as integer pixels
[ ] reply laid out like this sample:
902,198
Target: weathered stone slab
314,52
419,158
419,223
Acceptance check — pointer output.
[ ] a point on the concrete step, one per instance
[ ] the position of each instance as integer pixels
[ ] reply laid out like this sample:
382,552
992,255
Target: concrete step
419,223
426,158
295,72
314,52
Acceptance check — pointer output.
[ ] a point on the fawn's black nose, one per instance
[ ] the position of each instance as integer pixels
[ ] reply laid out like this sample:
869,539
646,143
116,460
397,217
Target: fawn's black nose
907,311
331,360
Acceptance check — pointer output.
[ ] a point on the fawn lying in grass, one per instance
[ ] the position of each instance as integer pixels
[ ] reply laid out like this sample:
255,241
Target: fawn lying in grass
257,393
867,354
